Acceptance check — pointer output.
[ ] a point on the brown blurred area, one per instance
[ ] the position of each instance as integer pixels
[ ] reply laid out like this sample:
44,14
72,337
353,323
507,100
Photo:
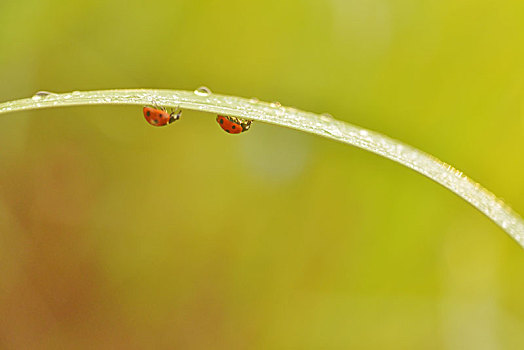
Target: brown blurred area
52,281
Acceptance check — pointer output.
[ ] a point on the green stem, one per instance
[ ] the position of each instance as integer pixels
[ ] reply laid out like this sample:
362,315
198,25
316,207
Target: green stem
321,125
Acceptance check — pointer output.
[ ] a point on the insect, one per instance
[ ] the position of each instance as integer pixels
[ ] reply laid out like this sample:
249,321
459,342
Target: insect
158,116
233,125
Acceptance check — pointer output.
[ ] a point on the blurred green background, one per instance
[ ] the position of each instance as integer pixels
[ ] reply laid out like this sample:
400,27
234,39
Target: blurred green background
118,235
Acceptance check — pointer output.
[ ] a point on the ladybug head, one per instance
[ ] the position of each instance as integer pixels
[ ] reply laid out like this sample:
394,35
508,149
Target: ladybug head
174,116
246,124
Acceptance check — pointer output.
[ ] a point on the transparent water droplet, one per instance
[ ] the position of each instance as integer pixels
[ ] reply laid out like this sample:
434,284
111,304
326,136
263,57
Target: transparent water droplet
202,91
41,94
326,117
275,104
335,131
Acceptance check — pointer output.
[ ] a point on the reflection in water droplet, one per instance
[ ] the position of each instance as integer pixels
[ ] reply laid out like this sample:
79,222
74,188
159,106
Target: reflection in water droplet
275,104
203,91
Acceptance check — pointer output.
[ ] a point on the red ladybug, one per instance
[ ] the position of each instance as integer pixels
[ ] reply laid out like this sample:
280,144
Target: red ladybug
233,125
158,116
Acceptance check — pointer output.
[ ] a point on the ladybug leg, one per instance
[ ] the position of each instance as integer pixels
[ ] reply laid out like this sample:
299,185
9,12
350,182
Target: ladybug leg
176,111
157,106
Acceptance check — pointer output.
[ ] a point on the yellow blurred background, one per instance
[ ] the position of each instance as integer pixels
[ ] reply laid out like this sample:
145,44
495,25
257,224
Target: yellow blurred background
118,235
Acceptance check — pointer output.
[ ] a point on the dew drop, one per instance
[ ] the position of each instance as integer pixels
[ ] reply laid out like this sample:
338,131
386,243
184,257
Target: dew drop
326,117
203,91
335,131
41,94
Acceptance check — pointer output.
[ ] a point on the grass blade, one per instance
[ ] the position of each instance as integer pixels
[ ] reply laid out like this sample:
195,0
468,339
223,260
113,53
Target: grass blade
201,100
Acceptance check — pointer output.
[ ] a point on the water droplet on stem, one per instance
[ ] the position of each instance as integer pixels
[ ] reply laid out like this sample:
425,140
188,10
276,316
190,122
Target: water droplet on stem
202,91
326,117
41,94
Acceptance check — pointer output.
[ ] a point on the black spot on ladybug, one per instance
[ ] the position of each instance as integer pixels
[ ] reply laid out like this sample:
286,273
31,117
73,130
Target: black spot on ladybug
227,131
148,113
221,121
233,127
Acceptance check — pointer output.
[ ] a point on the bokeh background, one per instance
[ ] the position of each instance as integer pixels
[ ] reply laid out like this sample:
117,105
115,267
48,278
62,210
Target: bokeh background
118,235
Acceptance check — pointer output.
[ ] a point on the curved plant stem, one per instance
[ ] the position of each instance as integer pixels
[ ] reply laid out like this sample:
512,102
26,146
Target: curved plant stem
321,125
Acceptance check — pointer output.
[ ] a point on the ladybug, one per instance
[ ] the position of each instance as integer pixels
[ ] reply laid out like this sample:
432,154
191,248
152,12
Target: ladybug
158,116
233,125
